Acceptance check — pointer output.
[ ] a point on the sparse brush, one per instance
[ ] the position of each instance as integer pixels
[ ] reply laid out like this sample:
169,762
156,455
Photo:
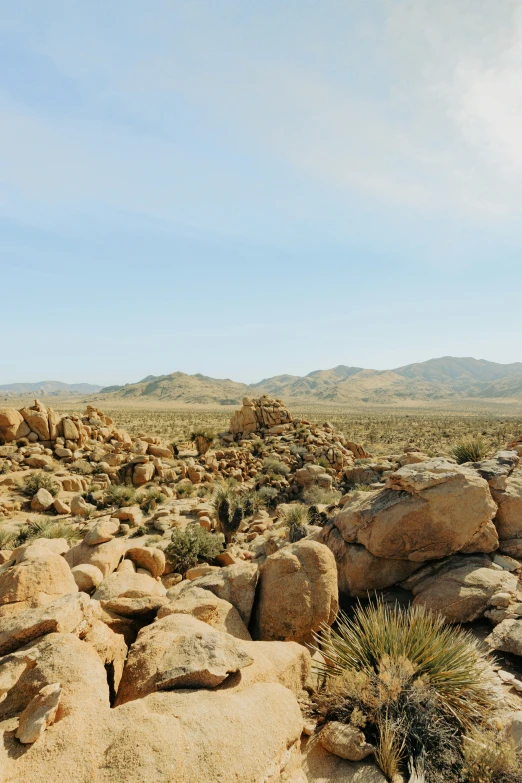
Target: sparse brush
46,529
390,750
7,539
150,499
488,758
191,546
203,440
323,462
296,519
317,496
185,488
39,480
268,496
471,450
258,447
275,466
119,495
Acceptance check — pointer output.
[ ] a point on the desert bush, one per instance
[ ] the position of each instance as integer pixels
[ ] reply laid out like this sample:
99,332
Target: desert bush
419,683
191,546
230,511
275,466
296,519
5,467
323,462
315,495
119,495
203,440
488,758
185,488
268,496
46,529
471,450
7,539
150,498
258,447
39,480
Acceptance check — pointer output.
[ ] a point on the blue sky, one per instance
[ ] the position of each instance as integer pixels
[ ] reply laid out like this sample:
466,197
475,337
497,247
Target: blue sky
243,189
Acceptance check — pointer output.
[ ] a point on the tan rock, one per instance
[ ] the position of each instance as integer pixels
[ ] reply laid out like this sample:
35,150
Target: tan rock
37,421
87,577
508,519
321,766
179,651
200,570
104,530
80,507
118,583
38,579
70,430
61,507
39,713
133,603
111,648
142,473
207,607
13,666
42,500
131,514
429,510
345,741
106,556
151,558
297,593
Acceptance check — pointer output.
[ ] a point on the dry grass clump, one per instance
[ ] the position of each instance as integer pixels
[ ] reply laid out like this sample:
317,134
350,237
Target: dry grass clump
470,450
119,495
417,685
39,480
46,528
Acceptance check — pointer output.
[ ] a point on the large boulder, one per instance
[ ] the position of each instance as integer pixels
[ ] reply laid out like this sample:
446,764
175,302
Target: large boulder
297,593
207,607
40,577
460,588
358,571
235,583
12,425
508,519
321,766
179,651
428,510
507,637
121,582
105,556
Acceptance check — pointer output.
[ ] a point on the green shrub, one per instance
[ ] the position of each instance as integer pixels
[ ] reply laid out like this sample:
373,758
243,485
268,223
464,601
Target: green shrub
488,758
184,488
323,462
7,539
258,447
419,683
275,466
119,495
39,480
471,450
46,529
191,546
296,518
229,507
268,496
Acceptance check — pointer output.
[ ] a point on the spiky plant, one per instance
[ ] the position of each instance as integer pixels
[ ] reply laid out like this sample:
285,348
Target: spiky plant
203,440
7,539
471,450
296,519
46,529
420,683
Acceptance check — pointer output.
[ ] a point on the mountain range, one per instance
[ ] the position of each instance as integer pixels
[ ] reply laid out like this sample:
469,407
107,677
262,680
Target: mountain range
434,381
47,388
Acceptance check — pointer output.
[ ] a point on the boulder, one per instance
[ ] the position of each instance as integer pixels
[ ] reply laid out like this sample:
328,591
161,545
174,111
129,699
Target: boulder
106,556
39,713
39,578
321,766
104,530
345,741
13,666
508,520
64,615
142,473
207,607
507,637
235,584
133,603
148,557
429,510
358,571
12,425
297,593
179,651
42,500
38,422
111,649
87,577
118,583
461,588
131,514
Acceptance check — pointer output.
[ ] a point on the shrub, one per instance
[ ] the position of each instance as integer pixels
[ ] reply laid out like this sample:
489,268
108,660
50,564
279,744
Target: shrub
203,440
275,466
268,496
471,450
185,488
296,519
191,546
323,462
119,495
37,481
7,539
229,509
46,529
489,759
149,499
317,496
258,447
419,683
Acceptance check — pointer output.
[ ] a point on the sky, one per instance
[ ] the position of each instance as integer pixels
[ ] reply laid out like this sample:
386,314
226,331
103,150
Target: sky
243,189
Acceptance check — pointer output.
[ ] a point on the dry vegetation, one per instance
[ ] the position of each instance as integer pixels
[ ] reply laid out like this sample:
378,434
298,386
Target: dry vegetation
381,432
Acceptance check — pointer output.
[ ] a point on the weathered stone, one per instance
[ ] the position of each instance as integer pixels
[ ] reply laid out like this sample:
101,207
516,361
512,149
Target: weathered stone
39,713
87,577
42,500
345,741
151,558
207,607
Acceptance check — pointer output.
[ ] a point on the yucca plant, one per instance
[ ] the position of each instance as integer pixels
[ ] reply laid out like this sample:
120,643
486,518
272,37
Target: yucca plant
420,683
471,450
229,511
296,519
203,440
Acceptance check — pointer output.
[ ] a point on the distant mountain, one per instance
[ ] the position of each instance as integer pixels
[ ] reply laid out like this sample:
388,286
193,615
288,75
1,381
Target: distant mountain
434,381
46,388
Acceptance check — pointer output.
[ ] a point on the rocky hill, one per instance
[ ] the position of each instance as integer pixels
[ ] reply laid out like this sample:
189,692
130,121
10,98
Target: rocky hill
160,604
47,389
435,381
